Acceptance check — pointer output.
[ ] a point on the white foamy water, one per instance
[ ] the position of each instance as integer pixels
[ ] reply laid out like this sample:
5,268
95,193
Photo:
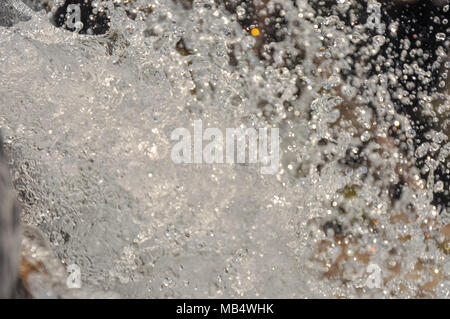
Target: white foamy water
88,120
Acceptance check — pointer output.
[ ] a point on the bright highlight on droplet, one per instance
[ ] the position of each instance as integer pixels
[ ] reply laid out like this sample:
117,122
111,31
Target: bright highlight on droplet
255,32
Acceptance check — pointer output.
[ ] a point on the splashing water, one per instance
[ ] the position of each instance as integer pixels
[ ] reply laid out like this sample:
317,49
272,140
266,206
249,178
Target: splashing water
358,90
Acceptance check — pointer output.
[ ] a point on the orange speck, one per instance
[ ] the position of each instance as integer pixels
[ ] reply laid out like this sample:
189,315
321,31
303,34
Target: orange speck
375,221
372,249
255,32
427,235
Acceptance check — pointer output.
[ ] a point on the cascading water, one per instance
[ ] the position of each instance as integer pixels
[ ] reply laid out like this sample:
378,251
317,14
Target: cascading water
358,89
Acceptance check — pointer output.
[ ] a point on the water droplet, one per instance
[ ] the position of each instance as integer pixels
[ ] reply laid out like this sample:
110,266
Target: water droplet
440,36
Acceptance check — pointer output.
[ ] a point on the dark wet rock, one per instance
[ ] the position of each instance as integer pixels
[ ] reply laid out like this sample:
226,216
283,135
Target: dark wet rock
419,22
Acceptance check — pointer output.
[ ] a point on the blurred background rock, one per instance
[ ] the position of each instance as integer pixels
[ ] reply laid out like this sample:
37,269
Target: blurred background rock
9,231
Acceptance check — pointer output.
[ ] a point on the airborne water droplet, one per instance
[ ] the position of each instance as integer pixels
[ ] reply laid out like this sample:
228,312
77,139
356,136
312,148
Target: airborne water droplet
379,40
440,36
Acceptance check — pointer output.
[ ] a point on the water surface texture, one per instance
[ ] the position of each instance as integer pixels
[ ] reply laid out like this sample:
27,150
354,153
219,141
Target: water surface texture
358,89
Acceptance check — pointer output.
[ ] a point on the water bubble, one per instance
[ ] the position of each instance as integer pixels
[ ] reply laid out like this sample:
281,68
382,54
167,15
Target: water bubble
422,150
439,187
365,136
440,36
379,40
